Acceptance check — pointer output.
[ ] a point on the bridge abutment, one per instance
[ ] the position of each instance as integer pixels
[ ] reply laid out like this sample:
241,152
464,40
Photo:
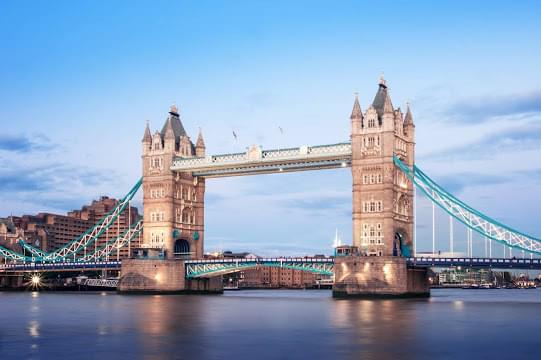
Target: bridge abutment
163,277
12,281
378,277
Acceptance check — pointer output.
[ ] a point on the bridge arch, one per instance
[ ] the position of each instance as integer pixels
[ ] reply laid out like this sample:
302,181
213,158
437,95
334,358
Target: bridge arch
182,247
400,243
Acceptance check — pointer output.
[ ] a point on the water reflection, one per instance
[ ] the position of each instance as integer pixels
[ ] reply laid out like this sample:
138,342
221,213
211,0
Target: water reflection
167,323
33,328
384,327
270,325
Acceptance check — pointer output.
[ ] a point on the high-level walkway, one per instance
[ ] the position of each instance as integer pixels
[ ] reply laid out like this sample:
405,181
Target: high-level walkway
257,161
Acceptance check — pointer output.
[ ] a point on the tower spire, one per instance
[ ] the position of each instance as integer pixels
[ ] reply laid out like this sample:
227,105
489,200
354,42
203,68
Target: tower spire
200,142
409,117
382,101
147,137
200,145
356,113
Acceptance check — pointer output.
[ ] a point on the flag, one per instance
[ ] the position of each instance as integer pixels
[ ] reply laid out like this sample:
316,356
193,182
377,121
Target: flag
234,134
281,130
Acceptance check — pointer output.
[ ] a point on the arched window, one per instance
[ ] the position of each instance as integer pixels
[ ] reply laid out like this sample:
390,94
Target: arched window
182,247
402,205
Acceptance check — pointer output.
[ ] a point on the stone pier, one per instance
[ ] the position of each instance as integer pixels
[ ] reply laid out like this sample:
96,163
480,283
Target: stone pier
378,277
163,277
12,281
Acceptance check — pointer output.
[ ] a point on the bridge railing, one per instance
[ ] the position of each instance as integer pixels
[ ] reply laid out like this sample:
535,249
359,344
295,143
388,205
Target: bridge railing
61,266
475,262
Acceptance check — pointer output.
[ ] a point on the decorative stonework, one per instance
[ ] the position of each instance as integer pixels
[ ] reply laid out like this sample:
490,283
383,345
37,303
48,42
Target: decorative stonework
380,194
173,201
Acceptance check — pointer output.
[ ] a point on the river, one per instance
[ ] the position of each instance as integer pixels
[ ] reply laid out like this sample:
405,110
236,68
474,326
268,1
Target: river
270,324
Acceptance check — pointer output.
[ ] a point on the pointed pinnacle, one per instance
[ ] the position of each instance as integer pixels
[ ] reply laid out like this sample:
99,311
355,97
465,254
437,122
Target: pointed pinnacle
356,113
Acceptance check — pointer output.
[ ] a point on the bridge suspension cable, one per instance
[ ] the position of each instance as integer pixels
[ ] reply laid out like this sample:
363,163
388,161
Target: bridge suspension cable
115,244
473,219
13,255
82,242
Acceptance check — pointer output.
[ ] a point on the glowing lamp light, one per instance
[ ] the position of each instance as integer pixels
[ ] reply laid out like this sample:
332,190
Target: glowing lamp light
36,280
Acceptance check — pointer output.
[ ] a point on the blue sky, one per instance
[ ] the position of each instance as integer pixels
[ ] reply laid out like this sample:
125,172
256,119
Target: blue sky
79,80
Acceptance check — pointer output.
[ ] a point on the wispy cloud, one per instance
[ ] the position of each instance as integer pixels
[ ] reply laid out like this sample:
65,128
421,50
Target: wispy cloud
24,143
457,183
51,185
526,136
482,109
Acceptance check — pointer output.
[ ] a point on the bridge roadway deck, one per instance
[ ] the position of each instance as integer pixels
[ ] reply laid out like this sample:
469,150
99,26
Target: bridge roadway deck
412,261
64,266
495,263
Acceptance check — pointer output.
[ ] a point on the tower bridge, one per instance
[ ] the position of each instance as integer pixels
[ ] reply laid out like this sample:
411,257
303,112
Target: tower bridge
382,260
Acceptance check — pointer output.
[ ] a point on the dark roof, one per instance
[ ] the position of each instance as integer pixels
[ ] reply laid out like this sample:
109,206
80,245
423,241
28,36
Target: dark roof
9,224
178,129
380,99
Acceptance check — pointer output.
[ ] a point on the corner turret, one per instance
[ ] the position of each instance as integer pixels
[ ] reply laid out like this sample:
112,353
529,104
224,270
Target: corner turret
409,126
147,139
200,145
356,116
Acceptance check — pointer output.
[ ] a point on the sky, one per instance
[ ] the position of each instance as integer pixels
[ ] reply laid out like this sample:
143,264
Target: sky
78,81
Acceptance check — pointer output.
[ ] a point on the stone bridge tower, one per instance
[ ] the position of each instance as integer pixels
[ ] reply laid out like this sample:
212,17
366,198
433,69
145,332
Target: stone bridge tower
382,206
382,195
173,202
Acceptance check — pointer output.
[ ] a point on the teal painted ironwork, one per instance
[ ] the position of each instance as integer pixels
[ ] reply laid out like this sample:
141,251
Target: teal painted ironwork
70,250
114,244
13,255
202,268
469,216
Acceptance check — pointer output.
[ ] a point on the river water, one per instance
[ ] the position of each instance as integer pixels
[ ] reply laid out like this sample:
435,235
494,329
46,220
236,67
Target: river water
271,324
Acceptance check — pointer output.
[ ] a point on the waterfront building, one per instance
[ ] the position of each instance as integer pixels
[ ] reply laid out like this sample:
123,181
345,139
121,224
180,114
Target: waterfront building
9,233
269,277
468,276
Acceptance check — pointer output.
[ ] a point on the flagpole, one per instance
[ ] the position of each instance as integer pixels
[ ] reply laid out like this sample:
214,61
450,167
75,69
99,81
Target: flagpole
234,141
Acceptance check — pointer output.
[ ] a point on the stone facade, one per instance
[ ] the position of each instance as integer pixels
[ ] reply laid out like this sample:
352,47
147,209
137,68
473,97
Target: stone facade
173,202
382,195
163,276
384,276
382,205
